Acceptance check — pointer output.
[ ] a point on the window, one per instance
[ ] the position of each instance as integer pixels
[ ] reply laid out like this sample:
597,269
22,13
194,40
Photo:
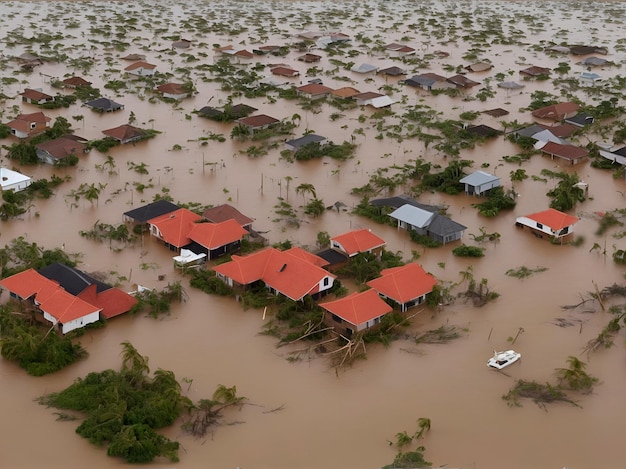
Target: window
326,281
540,226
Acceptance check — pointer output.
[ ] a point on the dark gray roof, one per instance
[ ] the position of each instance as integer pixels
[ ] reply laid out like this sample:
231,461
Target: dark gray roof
332,256
400,200
581,119
72,280
418,80
530,130
104,104
305,140
150,211
444,226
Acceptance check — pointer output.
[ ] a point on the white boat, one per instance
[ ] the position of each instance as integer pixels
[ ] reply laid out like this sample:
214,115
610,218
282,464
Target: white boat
503,359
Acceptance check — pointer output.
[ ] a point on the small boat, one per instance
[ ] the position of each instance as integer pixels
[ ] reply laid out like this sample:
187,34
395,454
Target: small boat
503,359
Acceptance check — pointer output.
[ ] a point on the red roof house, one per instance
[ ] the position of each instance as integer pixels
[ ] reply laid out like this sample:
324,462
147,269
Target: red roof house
173,228
557,112
29,284
407,285
112,302
571,153
75,82
29,125
314,90
218,238
125,133
173,91
225,212
285,72
35,96
280,271
356,241
141,68
68,312
59,307
552,222
357,311
261,121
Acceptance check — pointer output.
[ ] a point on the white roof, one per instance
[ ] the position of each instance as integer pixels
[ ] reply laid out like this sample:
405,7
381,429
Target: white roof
381,101
546,136
9,177
187,256
478,178
412,215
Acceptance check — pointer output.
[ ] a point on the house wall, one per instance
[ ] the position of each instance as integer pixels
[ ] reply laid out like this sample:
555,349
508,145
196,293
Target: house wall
18,186
523,221
347,328
482,188
76,323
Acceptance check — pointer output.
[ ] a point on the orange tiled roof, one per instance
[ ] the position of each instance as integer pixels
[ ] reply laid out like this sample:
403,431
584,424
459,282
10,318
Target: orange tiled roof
28,283
35,95
174,227
258,121
358,308
215,235
112,301
553,218
65,307
285,272
404,283
357,241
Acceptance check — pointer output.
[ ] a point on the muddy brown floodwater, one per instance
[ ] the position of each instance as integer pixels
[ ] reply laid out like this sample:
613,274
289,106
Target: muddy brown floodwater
328,421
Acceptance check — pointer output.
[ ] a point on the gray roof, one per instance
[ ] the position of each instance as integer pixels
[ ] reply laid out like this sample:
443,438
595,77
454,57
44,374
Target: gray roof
510,85
152,210
594,61
478,178
400,200
412,215
104,104
530,130
444,226
305,140
419,80
364,68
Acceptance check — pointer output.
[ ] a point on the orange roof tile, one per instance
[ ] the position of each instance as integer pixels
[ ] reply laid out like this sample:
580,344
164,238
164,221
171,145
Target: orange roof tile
357,241
215,235
553,218
174,227
65,307
112,301
404,283
28,283
358,308
285,272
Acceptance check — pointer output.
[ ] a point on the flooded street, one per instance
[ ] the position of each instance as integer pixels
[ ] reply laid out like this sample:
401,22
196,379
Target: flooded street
303,414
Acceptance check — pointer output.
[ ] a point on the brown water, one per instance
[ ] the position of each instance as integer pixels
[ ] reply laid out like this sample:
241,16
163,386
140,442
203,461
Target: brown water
328,421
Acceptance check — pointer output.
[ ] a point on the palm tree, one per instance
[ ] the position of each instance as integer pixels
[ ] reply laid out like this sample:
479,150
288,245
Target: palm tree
575,377
133,362
423,425
306,188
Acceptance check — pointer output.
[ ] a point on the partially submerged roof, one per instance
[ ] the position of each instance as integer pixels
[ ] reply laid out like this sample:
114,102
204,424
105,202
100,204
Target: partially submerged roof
364,68
358,308
226,212
357,241
305,140
556,112
216,235
103,104
259,120
403,283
